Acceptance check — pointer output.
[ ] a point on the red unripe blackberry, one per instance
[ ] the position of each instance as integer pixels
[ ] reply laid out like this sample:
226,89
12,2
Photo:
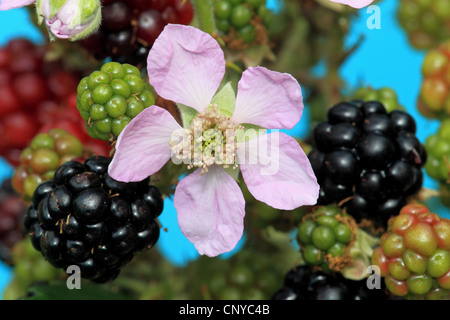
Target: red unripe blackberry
28,83
434,99
414,254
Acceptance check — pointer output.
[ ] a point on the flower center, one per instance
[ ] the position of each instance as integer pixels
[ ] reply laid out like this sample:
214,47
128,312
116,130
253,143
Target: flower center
210,139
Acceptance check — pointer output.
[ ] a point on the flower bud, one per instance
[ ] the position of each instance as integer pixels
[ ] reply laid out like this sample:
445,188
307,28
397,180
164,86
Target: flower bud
69,19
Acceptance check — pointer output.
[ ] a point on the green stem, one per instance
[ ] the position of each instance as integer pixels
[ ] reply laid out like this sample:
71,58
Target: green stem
233,66
204,11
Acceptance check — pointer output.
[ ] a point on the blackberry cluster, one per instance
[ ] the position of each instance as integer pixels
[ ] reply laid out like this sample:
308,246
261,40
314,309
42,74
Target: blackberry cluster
242,22
38,161
426,23
84,217
248,275
369,158
12,208
29,86
302,283
434,98
414,254
324,237
438,163
109,98
129,28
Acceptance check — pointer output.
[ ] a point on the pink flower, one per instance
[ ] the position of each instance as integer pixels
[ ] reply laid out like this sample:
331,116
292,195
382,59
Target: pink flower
355,3
187,66
12,4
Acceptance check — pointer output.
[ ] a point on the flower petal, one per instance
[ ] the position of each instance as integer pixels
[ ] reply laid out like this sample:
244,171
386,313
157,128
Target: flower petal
12,4
268,99
143,146
186,65
210,209
277,171
355,3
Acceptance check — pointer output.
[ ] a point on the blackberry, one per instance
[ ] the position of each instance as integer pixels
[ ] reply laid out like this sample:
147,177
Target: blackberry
438,164
29,85
385,95
426,23
414,254
29,267
12,208
242,23
129,28
40,159
368,159
325,237
434,98
303,283
84,217
248,275
109,98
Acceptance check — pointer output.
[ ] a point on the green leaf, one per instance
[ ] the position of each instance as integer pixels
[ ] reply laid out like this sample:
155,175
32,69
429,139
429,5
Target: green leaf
187,114
361,253
225,100
57,290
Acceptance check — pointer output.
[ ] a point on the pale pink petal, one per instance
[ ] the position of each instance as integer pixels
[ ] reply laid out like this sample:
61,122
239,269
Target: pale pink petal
355,3
143,146
186,65
210,209
268,99
278,172
12,4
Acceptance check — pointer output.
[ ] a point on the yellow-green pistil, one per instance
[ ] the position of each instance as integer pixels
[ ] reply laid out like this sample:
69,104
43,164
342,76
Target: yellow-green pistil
210,139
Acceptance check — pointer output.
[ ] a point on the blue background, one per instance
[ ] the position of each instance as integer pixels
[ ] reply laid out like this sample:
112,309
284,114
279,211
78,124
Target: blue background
385,58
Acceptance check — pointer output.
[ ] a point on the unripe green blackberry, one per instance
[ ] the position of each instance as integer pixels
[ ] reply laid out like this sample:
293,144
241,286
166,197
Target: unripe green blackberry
325,237
414,254
425,21
38,162
242,23
385,95
438,149
248,275
434,99
29,267
109,98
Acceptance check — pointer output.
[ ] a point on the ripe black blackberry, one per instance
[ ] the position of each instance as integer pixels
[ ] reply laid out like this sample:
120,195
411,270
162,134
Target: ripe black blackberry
368,157
129,28
84,217
302,283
